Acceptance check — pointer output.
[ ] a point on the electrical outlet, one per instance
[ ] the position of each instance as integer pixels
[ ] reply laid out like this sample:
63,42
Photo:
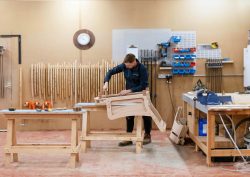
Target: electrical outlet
162,76
165,76
169,78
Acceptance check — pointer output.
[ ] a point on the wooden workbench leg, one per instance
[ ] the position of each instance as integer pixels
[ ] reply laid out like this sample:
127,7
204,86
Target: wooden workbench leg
10,127
184,113
74,156
15,155
210,136
73,160
196,148
88,143
196,115
88,129
85,123
7,159
139,134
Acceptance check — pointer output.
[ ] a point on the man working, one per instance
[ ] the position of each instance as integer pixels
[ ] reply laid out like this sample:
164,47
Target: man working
136,77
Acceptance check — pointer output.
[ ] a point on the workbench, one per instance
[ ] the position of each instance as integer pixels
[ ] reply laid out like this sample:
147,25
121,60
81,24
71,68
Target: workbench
12,148
209,144
87,135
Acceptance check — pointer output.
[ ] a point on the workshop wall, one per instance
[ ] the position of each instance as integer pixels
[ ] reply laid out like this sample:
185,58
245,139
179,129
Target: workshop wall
47,29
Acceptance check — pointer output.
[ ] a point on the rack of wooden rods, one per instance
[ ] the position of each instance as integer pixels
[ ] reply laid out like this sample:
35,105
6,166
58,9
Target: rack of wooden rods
72,82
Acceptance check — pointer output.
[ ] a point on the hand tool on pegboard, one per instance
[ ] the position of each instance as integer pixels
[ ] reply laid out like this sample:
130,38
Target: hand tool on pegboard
214,74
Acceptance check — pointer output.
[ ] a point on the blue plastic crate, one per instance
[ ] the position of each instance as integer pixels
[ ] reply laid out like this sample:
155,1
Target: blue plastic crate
186,64
181,71
188,57
184,50
192,71
187,71
175,71
182,57
176,57
202,127
193,56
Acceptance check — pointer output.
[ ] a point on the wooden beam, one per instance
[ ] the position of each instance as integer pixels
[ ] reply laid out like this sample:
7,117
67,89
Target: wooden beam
201,145
34,148
84,133
139,135
111,137
229,152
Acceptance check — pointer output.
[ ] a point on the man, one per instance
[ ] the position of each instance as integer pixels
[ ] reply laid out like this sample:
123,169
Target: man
136,77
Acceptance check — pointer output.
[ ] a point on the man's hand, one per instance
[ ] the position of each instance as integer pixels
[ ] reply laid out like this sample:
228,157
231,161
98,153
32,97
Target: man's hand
106,86
125,92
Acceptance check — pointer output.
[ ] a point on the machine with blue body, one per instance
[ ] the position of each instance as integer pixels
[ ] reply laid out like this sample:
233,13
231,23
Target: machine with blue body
206,97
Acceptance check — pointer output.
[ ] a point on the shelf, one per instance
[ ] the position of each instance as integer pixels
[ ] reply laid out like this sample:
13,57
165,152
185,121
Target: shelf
165,68
217,139
229,61
220,142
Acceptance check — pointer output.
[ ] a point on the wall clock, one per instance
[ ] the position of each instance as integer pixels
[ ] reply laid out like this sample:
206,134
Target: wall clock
84,39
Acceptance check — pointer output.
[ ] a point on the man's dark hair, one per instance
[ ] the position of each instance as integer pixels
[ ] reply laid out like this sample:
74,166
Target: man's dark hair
129,58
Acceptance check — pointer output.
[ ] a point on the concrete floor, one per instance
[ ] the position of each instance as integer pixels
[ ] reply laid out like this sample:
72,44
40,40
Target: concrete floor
160,158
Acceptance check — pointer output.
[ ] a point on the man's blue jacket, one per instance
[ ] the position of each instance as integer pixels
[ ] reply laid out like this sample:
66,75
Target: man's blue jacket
136,78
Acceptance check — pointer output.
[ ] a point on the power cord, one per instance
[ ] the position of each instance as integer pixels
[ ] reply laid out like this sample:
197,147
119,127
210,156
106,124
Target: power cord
241,167
171,99
234,130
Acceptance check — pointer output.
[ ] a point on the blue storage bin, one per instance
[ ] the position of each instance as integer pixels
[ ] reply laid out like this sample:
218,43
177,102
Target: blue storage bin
182,57
184,50
186,64
175,64
181,71
175,71
188,57
176,57
202,127
192,71
187,71
193,56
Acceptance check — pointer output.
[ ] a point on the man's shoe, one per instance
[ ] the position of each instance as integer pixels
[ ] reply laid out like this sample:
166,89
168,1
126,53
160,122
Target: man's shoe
146,139
125,143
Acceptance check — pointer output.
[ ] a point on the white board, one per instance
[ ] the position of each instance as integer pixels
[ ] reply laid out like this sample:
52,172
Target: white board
142,38
247,66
